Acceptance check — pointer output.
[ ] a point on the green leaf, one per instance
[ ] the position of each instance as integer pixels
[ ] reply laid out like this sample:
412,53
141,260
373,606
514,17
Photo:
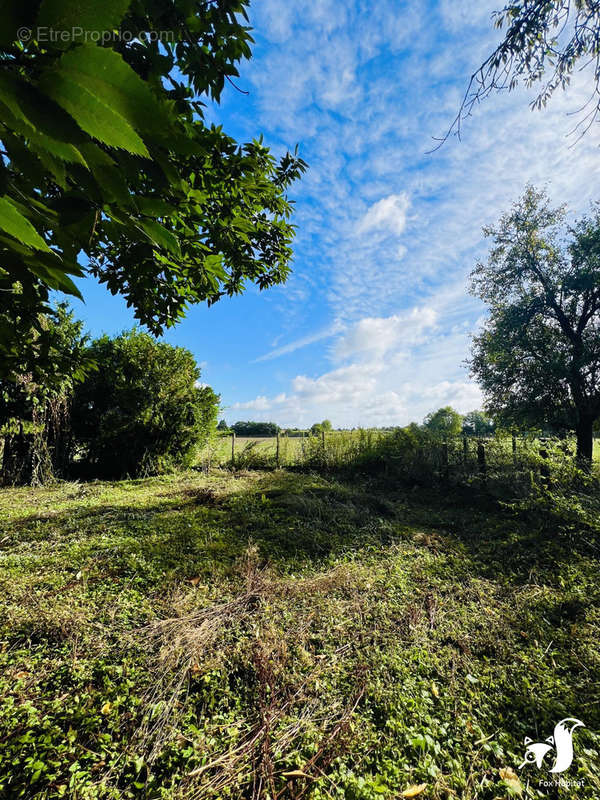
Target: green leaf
32,107
85,15
160,236
242,224
103,74
114,186
39,142
154,207
14,223
214,265
56,279
54,166
90,101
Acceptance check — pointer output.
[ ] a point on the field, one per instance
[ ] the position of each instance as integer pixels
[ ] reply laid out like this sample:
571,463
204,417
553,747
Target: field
277,634
261,446
293,448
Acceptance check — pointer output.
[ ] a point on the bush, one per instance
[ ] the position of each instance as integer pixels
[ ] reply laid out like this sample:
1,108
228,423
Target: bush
143,411
255,428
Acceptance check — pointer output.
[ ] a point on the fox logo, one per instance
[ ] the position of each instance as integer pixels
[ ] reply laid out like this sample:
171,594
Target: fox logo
561,742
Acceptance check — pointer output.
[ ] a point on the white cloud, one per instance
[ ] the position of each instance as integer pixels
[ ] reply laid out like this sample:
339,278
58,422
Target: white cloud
260,403
374,336
386,371
387,214
364,395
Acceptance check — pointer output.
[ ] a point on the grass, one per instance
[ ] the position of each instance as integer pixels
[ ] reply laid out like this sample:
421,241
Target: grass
345,448
293,450
276,634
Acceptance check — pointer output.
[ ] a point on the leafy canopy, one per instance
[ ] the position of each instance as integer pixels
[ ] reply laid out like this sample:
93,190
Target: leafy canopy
143,410
319,427
478,423
34,407
537,358
108,167
57,358
250,428
444,422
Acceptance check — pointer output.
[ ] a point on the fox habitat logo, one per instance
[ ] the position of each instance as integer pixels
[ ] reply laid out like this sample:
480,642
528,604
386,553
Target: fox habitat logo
560,744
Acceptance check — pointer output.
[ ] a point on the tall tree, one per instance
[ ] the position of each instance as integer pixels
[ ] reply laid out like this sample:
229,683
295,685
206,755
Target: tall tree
477,423
444,422
537,357
544,42
107,165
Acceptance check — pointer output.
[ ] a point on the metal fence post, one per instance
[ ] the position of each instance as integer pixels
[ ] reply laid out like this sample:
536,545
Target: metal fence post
544,467
481,462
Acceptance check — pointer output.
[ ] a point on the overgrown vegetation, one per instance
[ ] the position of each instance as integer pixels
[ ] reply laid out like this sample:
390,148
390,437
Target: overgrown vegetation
290,635
35,402
126,406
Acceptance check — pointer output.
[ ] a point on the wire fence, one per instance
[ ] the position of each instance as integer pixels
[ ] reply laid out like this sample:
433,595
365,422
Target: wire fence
501,462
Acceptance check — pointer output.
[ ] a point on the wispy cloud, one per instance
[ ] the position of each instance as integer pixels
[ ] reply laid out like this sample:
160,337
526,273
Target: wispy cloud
387,235
304,341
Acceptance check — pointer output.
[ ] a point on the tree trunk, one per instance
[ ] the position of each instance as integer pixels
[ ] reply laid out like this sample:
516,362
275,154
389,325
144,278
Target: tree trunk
585,441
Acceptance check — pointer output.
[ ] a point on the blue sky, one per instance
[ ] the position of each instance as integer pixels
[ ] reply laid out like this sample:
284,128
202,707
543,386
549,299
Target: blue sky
373,326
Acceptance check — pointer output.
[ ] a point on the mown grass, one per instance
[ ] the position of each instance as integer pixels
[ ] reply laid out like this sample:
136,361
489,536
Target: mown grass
275,634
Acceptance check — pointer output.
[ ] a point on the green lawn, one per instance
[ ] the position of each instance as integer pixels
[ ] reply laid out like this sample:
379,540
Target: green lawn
277,634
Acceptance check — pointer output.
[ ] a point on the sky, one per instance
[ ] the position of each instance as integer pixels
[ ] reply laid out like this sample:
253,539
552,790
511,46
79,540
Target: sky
373,326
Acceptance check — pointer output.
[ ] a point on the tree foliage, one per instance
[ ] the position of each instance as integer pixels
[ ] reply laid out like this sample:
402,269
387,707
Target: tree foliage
255,428
108,166
143,410
444,422
478,423
34,405
537,358
544,43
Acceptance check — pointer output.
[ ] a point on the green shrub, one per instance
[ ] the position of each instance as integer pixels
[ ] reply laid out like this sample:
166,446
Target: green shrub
143,411
255,428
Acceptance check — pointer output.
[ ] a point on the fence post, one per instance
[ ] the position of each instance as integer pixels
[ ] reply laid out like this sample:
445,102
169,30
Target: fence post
445,459
277,452
233,448
544,468
481,462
